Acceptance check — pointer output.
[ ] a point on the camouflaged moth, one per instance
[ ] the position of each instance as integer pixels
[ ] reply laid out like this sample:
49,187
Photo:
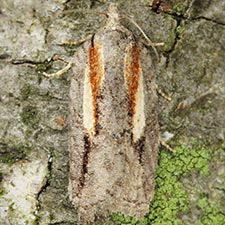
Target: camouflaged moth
114,131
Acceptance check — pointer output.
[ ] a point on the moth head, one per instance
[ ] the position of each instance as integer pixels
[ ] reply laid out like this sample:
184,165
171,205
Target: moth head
113,15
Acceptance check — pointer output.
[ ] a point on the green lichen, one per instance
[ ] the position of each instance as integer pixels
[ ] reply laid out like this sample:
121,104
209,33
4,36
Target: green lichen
170,199
43,67
12,153
1,176
29,116
179,9
26,91
211,214
119,219
173,35
170,41
2,191
179,30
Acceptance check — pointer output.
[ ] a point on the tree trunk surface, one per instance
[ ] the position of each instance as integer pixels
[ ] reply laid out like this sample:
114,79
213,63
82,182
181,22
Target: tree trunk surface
34,158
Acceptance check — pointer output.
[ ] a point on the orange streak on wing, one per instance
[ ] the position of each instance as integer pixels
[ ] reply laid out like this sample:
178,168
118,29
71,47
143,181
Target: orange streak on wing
132,73
95,76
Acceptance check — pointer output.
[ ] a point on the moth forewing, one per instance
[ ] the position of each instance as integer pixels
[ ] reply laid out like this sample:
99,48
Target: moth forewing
113,125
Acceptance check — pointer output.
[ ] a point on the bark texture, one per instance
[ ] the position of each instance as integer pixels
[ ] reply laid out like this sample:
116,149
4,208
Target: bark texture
34,109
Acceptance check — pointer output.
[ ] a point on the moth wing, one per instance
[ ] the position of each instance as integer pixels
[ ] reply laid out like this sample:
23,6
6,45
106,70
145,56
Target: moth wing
76,133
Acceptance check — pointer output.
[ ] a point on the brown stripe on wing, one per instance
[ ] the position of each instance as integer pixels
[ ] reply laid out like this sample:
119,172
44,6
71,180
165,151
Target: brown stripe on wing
93,79
134,83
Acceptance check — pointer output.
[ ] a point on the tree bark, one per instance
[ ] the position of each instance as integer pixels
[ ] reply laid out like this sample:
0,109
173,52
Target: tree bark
34,157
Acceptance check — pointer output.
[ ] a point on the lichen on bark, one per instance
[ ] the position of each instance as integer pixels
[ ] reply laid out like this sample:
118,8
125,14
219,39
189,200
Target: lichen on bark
191,70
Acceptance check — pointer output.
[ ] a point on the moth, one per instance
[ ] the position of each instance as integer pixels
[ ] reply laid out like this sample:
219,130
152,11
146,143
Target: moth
114,134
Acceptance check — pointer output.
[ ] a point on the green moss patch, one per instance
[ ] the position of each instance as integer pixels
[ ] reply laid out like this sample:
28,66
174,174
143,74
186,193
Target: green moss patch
170,41
12,153
211,213
29,116
27,91
179,8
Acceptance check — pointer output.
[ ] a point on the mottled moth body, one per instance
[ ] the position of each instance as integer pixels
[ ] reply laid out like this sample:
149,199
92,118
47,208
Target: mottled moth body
113,125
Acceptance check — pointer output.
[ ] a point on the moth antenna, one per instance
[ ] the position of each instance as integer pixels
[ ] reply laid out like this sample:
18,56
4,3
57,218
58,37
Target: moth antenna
150,43
112,14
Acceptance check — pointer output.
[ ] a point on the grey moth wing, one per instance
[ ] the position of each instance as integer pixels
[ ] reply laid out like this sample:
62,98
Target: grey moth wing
114,135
